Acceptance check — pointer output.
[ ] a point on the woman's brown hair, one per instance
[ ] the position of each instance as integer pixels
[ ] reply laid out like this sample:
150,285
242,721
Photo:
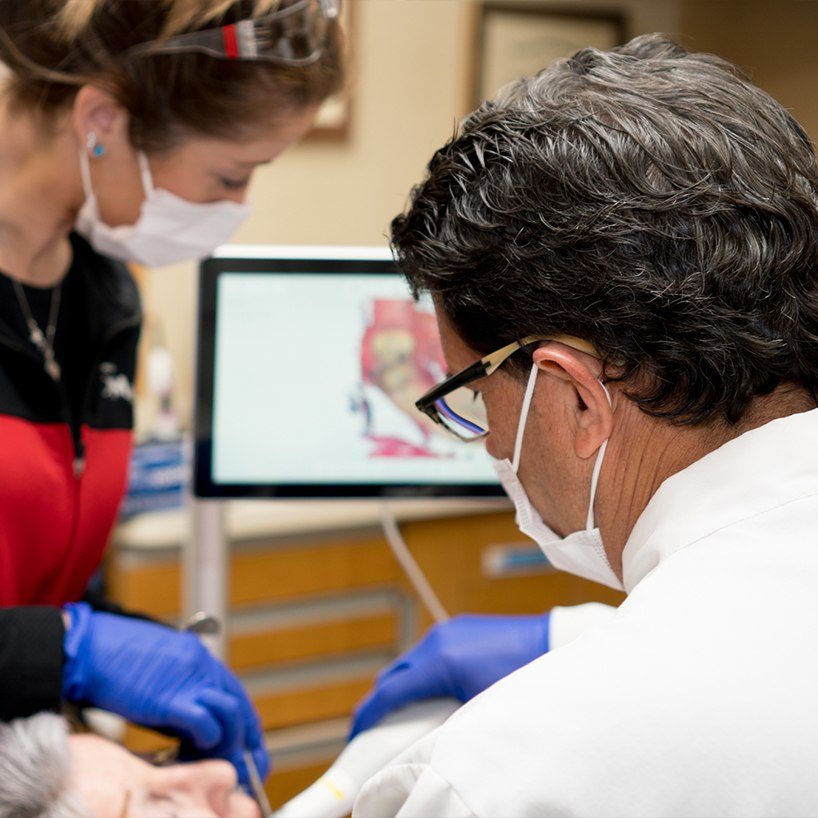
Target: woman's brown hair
53,47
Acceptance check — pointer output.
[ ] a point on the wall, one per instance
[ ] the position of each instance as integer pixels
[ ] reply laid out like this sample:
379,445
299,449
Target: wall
773,40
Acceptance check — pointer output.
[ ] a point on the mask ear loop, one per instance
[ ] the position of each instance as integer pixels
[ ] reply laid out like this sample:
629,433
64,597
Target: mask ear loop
529,394
589,523
145,173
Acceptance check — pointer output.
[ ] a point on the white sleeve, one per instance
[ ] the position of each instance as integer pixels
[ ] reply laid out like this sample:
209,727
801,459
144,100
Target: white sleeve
409,791
566,623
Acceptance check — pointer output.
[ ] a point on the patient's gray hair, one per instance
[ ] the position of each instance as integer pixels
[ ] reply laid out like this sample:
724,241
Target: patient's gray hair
34,769
647,199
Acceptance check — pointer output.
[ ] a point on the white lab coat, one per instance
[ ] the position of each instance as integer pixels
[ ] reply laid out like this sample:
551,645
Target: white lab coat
699,697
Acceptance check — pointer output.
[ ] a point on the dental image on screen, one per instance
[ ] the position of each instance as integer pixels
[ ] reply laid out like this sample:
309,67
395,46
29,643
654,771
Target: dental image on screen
316,376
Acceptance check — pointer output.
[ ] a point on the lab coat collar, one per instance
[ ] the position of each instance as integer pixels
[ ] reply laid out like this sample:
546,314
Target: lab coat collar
757,471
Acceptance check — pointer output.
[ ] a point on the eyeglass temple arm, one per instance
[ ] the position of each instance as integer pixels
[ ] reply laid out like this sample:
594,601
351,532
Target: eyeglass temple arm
472,373
485,366
571,341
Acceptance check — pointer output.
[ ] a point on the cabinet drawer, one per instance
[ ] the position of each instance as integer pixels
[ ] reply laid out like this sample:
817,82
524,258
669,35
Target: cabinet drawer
259,573
320,640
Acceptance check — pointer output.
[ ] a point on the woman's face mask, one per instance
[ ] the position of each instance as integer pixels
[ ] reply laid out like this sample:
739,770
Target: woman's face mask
210,175
581,553
169,229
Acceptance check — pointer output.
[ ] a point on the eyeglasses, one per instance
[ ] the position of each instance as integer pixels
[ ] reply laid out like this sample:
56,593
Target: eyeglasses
459,408
293,34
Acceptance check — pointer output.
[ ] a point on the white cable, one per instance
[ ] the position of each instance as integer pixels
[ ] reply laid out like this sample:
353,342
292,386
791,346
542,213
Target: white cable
416,577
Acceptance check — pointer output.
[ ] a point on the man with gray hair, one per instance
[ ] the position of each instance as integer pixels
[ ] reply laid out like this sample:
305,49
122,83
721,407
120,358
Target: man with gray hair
623,256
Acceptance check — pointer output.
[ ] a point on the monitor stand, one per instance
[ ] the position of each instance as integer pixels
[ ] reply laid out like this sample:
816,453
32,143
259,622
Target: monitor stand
206,571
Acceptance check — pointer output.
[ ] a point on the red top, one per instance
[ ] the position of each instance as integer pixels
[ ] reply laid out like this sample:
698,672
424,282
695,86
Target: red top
65,447
54,526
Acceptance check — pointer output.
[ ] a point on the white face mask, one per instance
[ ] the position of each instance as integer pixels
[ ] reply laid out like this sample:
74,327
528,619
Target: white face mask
580,553
169,229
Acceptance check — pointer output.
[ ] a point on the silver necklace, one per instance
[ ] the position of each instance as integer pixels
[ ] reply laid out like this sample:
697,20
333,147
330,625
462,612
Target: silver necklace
44,341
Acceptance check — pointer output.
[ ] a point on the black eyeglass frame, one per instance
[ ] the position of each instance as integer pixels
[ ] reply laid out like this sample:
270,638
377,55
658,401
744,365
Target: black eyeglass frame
486,366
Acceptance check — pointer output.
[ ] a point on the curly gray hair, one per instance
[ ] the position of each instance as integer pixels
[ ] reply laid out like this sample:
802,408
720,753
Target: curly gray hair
647,199
34,770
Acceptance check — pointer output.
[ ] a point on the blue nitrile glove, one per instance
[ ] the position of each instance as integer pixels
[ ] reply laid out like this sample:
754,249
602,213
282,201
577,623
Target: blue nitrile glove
459,658
162,678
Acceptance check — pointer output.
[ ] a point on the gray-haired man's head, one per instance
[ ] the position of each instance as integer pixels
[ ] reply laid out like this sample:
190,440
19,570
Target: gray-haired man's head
651,201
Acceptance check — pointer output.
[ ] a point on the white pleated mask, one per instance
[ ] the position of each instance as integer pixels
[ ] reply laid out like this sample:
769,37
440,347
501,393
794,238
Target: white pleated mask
581,553
169,229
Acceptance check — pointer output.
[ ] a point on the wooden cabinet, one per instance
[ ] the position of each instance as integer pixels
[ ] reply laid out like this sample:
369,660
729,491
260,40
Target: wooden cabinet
314,616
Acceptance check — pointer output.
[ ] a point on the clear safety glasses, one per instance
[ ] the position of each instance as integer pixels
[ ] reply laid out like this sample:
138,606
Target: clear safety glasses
293,34
459,408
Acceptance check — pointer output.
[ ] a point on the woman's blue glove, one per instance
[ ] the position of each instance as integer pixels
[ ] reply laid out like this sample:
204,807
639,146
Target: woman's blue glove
458,658
162,678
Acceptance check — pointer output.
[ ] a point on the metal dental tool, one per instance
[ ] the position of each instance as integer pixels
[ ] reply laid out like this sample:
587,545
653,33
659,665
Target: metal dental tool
259,793
205,624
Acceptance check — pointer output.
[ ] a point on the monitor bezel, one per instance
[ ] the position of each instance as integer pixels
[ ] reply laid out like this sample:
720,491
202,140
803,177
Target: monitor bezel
264,259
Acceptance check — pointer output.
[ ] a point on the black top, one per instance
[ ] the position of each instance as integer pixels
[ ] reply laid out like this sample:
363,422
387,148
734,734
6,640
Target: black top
31,660
77,335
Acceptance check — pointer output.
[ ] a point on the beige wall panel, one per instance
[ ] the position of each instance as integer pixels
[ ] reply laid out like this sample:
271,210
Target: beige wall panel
773,40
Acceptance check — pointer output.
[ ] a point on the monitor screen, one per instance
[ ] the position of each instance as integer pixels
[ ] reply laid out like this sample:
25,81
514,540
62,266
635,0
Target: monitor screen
310,362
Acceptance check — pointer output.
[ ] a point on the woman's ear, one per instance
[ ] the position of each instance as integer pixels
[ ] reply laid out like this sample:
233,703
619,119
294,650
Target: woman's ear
97,113
593,409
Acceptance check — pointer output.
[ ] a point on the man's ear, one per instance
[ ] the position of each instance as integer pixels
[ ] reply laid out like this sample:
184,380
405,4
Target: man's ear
581,372
98,112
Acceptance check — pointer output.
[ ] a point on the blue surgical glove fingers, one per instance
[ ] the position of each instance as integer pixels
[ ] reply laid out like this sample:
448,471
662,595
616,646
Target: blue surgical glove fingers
194,723
226,710
262,759
417,674
459,658
260,755
155,676
417,659
253,730
240,726
403,683
470,652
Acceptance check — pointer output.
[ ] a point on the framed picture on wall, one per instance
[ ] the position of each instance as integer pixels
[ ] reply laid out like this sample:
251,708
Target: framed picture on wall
516,40
334,115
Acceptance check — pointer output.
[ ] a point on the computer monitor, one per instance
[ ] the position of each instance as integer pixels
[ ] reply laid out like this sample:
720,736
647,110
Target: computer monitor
310,360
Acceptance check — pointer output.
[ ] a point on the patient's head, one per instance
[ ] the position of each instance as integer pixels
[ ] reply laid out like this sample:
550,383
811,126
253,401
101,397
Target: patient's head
44,773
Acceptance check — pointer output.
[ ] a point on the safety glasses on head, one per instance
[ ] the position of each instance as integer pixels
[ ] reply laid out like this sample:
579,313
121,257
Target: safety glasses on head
459,408
295,34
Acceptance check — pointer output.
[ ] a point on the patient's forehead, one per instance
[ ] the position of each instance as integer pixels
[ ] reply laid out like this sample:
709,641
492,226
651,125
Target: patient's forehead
102,774
113,783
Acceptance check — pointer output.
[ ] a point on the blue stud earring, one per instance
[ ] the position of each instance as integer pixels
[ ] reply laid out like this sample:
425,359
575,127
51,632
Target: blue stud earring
96,149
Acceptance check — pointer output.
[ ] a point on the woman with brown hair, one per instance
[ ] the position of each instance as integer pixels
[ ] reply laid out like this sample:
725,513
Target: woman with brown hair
128,132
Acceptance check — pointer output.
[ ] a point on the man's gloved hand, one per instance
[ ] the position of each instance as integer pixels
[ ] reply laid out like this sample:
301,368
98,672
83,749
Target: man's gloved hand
458,658
162,678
